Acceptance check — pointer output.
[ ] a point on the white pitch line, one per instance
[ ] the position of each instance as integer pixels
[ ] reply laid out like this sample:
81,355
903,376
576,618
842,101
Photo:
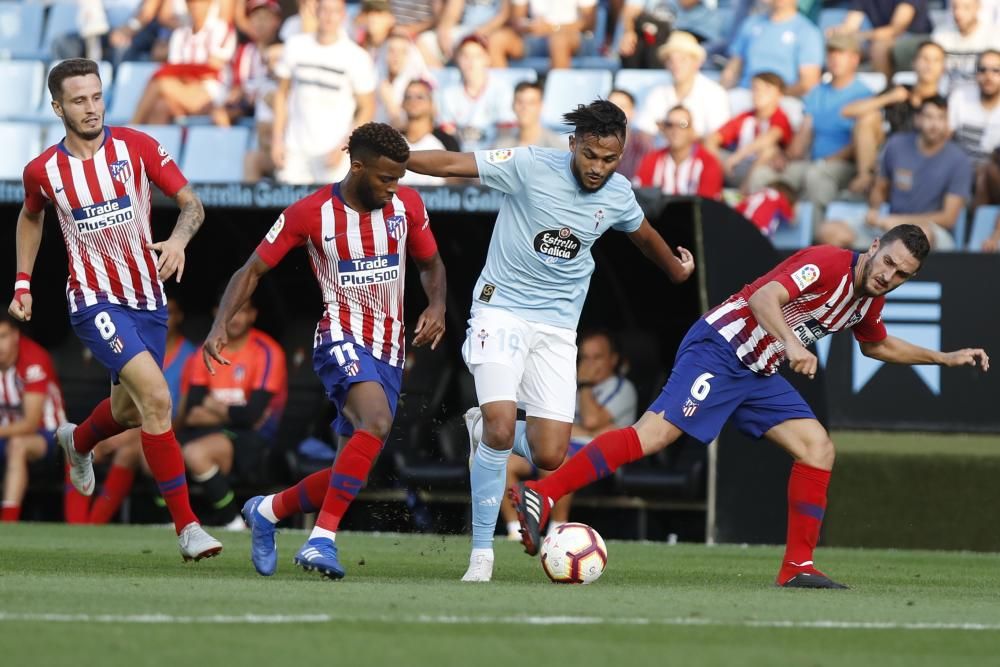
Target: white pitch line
424,619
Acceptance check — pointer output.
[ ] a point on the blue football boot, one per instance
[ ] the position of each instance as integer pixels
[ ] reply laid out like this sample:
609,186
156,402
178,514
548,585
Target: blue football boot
320,554
263,548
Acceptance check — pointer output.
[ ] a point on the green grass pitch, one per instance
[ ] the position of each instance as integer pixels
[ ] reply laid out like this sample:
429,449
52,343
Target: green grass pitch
120,595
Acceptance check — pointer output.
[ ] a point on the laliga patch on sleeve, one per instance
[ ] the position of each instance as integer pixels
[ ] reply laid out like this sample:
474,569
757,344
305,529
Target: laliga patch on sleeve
805,276
34,373
499,155
279,224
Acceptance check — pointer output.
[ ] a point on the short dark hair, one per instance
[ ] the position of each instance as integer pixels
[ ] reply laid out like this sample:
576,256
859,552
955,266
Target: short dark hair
600,118
934,100
927,42
373,140
7,318
422,82
786,190
772,78
622,91
987,52
587,334
68,69
529,85
912,236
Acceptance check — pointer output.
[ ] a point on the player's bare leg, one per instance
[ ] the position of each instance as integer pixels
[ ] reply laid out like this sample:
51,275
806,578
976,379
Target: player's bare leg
810,445
21,450
142,380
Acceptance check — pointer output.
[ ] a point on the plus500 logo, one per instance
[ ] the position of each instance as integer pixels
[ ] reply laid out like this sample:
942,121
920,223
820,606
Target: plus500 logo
95,217
367,271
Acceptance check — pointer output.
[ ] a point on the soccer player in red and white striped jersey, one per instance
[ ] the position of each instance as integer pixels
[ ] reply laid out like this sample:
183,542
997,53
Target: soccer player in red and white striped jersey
98,180
726,368
358,234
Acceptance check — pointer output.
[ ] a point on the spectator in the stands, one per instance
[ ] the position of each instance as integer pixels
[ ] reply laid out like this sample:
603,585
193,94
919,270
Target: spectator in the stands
230,417
753,137
820,159
397,63
250,82
414,17
475,108
460,18
326,88
683,57
770,207
421,130
925,178
303,21
992,244
543,28
191,80
31,409
783,42
684,167
898,27
963,40
528,130
897,106
647,24
637,144
974,110
373,25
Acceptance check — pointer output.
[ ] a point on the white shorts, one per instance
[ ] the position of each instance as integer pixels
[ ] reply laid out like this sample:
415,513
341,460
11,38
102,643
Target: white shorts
530,363
304,169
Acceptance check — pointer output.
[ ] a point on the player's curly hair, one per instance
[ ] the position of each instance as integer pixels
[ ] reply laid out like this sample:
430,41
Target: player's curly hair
372,140
67,69
912,237
600,118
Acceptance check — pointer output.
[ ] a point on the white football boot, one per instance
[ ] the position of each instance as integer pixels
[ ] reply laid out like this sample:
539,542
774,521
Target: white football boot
196,544
81,466
480,567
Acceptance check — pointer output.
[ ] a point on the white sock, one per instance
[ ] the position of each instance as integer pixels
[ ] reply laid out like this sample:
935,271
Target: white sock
323,532
514,528
207,475
266,509
481,552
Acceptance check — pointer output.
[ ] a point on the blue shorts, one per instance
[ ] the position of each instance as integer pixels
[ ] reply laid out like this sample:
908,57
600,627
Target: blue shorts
709,384
353,364
116,333
50,444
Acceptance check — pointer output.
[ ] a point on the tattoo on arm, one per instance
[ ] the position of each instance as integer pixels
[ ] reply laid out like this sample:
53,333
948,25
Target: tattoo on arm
191,216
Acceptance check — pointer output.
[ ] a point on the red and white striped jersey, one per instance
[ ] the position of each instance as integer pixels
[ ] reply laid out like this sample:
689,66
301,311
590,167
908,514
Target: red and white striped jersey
359,259
215,41
820,284
700,174
766,209
32,373
103,207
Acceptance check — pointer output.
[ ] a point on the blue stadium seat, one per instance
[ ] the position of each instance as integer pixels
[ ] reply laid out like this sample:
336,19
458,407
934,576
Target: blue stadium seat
23,82
514,75
596,62
107,83
960,232
61,21
20,29
215,154
446,76
799,235
52,133
566,88
129,85
983,224
847,211
640,82
171,137
21,143
794,110
831,17
874,81
740,100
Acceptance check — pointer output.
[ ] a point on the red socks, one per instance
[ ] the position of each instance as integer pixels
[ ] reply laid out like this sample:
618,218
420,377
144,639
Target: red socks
806,506
306,496
163,454
10,513
116,488
350,472
100,425
75,504
605,454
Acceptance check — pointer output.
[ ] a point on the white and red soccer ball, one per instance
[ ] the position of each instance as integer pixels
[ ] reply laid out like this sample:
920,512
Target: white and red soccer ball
574,553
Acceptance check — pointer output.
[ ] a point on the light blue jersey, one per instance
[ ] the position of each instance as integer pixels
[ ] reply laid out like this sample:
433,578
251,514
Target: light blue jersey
539,262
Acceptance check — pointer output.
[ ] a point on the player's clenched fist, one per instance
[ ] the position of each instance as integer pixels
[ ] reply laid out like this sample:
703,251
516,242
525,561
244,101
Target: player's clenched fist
970,356
20,307
801,360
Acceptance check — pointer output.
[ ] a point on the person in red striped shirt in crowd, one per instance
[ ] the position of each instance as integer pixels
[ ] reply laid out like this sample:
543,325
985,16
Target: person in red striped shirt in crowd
684,167
249,82
230,417
770,207
191,80
98,180
358,233
753,137
31,408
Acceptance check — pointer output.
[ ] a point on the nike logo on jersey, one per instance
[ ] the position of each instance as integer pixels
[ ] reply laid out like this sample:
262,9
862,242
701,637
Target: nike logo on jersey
58,190
329,238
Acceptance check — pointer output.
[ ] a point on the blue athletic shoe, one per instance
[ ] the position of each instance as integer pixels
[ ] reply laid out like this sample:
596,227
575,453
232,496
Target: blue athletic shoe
320,554
263,549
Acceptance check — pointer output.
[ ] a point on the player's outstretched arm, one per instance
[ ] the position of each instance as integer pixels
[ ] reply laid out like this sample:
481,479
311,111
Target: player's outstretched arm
240,287
652,245
446,164
430,325
188,222
27,240
898,351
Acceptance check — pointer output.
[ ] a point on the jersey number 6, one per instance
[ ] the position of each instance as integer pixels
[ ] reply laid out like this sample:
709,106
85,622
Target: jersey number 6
700,388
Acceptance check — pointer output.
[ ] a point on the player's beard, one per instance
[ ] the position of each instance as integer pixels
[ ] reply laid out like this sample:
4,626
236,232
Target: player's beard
87,135
582,183
367,196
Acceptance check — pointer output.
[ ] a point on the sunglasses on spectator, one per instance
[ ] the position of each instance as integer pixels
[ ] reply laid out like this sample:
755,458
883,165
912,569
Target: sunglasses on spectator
669,124
416,96
988,70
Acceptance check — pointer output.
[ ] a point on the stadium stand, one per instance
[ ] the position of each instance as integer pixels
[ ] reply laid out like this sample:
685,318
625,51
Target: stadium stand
983,224
20,29
566,88
171,137
215,154
21,143
62,20
639,82
799,235
26,77
130,82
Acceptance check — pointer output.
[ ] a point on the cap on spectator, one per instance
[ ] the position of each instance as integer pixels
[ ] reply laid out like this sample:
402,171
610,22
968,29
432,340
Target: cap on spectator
253,5
681,42
473,37
375,6
843,42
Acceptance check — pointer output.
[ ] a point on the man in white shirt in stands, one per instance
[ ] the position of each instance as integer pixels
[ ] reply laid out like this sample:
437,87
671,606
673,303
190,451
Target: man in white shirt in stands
708,102
974,109
963,40
541,28
529,130
326,88
420,132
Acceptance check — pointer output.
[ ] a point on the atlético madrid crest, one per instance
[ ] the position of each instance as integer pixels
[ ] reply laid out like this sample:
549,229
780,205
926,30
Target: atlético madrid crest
394,226
121,171
351,368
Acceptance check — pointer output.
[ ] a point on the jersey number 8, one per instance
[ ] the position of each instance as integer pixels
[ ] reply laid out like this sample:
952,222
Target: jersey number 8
104,325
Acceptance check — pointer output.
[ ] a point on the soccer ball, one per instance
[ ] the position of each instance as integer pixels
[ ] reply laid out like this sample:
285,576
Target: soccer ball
574,553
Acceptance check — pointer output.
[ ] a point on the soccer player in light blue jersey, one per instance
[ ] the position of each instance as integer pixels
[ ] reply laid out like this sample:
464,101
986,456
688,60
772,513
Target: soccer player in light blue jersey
521,341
